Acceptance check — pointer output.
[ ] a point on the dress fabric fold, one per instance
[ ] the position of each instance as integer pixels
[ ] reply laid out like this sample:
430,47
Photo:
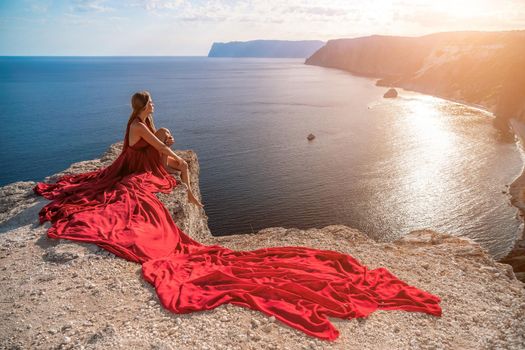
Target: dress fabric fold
116,208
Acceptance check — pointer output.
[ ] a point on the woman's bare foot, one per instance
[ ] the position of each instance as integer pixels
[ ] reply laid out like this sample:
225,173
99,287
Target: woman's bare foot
194,200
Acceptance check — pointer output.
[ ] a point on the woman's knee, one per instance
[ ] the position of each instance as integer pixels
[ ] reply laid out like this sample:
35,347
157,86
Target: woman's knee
162,134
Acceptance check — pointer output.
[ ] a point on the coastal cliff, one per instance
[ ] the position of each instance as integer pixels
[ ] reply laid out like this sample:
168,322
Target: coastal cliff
479,68
66,295
266,48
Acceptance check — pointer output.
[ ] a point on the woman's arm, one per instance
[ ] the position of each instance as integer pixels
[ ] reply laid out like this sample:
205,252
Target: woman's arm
142,130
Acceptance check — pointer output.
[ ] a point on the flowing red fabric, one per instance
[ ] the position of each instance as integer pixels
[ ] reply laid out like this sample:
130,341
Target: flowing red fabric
115,207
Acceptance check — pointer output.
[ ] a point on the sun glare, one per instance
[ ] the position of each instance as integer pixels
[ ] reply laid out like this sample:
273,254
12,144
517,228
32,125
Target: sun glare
460,9
426,120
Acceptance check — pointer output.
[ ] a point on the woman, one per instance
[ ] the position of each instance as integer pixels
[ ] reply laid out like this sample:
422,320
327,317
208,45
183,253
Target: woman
142,127
116,208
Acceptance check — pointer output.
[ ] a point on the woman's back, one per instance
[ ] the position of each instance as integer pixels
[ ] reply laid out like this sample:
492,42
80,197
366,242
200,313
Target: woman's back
133,136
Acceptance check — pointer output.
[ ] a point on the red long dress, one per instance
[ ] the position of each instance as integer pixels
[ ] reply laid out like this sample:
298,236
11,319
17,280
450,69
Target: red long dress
115,207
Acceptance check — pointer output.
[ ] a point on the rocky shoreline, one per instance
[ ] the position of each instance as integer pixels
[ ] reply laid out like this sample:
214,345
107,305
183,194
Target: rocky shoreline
480,68
516,257
66,295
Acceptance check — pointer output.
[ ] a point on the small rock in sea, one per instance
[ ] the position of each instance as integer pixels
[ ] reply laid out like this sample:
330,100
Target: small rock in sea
310,137
391,93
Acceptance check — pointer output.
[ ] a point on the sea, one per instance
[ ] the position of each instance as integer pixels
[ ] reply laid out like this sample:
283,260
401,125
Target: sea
383,166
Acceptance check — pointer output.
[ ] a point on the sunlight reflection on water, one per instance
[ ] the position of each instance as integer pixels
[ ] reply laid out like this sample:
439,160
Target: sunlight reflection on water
443,174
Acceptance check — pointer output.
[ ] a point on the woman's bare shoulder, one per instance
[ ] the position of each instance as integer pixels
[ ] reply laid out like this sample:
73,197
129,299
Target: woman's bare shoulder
137,124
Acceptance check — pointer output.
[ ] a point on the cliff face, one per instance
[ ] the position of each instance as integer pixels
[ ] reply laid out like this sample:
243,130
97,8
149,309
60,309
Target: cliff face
266,48
67,295
482,68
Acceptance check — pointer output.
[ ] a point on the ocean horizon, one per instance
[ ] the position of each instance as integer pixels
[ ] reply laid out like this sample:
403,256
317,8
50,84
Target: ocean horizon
383,166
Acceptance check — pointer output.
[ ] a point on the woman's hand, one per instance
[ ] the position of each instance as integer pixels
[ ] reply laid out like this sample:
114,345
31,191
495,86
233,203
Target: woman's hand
169,140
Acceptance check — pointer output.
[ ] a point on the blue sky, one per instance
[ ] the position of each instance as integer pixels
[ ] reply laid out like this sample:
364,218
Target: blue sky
183,27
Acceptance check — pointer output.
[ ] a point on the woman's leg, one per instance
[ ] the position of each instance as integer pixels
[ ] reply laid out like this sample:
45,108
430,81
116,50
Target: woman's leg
182,166
179,165
162,134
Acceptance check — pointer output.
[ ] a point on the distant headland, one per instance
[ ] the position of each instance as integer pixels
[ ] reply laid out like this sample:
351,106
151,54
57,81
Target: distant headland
266,48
